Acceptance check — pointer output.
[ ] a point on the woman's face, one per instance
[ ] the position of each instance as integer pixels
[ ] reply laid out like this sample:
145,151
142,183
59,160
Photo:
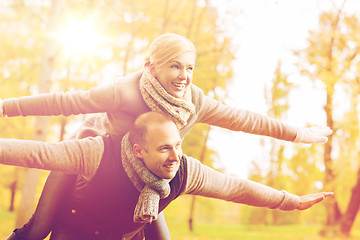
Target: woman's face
176,75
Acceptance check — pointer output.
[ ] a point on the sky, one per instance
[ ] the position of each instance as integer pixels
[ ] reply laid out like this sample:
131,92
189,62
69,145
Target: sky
266,32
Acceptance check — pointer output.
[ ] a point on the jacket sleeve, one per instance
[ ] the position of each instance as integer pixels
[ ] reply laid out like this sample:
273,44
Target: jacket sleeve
98,99
213,112
80,157
204,181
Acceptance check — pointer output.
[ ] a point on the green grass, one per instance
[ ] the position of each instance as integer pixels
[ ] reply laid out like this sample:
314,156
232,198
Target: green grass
226,232
217,232
7,220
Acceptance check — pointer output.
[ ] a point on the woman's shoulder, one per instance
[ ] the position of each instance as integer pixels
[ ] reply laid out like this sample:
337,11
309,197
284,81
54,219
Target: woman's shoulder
127,83
132,78
195,88
197,94
127,87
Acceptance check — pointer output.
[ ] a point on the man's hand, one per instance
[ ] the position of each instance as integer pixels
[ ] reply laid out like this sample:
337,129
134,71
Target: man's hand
308,201
313,135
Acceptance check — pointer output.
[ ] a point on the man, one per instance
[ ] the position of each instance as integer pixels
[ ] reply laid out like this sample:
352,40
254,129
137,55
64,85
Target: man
125,184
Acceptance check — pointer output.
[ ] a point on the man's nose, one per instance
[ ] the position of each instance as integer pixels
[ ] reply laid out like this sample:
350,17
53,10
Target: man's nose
174,155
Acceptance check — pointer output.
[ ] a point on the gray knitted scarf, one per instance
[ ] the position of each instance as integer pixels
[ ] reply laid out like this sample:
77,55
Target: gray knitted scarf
151,187
159,100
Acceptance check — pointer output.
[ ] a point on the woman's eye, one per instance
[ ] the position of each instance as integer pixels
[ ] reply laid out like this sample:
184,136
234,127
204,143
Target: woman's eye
175,66
190,68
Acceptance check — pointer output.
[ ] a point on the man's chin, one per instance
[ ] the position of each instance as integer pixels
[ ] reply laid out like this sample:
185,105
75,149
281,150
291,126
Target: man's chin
169,176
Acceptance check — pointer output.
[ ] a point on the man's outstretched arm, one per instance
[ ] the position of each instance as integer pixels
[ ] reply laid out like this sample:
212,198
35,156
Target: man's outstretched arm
207,182
74,156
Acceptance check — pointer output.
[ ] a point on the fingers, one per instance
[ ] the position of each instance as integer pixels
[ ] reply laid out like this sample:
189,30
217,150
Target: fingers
315,139
322,131
321,140
316,135
318,199
308,201
328,194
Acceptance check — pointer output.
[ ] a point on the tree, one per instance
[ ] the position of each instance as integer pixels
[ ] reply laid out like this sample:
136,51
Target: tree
19,65
350,152
277,99
201,158
32,175
331,59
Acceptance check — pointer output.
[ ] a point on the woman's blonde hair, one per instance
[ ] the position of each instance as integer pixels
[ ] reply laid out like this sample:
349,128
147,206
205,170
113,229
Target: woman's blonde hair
167,47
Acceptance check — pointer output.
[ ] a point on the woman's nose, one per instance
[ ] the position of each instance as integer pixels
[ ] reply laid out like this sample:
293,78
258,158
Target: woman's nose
183,74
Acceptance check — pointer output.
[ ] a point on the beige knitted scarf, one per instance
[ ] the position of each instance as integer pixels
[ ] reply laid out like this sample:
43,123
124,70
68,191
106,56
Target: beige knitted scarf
159,100
151,187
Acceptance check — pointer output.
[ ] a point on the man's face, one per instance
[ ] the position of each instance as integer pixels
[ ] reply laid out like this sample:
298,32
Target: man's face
162,151
176,75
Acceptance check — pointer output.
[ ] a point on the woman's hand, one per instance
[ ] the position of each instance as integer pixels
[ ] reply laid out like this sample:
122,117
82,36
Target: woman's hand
313,135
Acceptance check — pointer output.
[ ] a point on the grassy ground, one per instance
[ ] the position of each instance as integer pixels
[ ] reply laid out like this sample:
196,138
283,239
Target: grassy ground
222,232
217,232
7,220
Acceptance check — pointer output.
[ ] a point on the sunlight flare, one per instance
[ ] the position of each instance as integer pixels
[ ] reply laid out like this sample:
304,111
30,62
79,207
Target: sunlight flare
79,37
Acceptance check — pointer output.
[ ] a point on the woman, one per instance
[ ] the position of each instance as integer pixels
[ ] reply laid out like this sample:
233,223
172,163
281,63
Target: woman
164,85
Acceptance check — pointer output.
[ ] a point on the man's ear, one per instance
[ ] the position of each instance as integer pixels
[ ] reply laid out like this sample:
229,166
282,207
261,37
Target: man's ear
137,150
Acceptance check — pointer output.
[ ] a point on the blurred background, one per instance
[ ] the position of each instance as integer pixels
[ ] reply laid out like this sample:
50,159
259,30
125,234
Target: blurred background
294,60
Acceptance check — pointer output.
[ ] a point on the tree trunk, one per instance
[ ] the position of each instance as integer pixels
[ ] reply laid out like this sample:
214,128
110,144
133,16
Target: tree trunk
63,122
191,218
329,173
333,211
13,187
348,218
201,159
26,206
166,19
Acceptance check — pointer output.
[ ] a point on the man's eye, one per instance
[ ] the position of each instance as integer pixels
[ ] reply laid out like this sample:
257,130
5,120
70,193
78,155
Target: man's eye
175,66
190,68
